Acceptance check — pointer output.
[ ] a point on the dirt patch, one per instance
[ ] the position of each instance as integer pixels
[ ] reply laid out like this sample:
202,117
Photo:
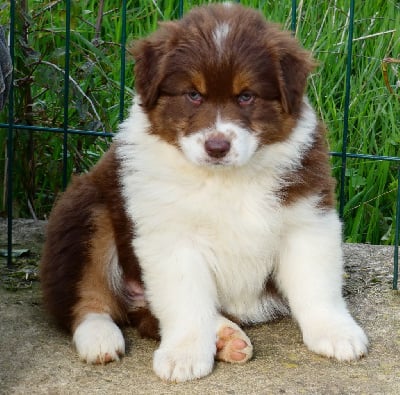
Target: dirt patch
28,237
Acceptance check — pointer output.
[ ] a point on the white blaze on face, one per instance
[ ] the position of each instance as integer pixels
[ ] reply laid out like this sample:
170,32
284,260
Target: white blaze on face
238,145
219,36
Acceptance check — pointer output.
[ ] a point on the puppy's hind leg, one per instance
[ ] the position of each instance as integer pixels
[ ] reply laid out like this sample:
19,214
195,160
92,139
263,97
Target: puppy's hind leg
96,336
233,345
98,339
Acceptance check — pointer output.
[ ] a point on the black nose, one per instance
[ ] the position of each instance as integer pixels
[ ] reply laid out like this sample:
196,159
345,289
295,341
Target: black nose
217,147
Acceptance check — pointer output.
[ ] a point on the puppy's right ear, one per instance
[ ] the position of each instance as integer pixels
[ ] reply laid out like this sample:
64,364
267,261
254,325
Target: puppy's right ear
150,58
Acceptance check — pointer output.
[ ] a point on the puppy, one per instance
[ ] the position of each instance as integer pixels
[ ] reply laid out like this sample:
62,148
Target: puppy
213,208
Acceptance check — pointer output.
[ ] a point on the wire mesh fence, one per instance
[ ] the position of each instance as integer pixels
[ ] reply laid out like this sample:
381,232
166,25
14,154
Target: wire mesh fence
79,42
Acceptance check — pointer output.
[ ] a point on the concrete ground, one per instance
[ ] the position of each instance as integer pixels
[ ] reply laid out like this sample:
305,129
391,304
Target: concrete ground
36,358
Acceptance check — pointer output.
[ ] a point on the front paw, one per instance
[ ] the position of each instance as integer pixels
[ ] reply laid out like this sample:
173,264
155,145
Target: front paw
184,362
98,339
342,339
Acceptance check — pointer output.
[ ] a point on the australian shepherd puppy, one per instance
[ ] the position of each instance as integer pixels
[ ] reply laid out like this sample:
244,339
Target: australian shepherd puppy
213,209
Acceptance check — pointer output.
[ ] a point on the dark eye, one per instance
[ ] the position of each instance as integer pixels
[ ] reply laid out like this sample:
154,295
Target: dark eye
194,97
245,98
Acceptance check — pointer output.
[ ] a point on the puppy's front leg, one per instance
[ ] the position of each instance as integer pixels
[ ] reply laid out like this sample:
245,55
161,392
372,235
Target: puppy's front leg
310,274
182,295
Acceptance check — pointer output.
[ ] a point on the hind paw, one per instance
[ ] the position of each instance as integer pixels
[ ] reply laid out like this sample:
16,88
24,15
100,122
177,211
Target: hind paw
233,345
98,339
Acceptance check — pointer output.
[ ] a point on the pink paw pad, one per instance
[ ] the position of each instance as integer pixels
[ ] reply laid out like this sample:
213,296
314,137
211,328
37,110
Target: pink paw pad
233,345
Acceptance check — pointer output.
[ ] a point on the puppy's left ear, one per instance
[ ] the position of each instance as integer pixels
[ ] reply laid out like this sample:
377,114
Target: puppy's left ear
150,54
295,64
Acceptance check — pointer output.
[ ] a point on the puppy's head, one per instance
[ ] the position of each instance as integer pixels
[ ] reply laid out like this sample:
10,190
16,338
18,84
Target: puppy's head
221,83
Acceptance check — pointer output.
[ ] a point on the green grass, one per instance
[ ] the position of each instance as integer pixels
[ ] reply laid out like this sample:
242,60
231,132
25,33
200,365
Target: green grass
374,121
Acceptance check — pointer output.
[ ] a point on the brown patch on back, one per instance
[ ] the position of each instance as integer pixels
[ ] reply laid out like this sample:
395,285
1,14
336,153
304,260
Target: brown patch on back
314,175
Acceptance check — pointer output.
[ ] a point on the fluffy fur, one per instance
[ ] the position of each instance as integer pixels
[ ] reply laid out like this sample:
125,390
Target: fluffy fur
214,206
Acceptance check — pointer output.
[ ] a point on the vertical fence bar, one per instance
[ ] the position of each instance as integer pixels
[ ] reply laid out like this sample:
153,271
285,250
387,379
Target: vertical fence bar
294,16
180,8
66,89
397,236
346,110
123,64
10,137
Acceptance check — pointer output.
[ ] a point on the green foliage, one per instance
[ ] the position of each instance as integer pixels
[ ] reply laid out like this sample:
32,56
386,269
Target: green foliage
94,93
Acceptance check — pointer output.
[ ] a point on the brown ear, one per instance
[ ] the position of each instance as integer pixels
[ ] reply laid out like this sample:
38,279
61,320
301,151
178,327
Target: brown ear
296,64
149,55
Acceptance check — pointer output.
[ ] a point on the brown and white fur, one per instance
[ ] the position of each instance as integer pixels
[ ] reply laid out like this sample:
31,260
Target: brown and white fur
213,208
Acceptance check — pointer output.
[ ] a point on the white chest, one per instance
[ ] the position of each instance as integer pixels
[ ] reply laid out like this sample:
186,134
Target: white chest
231,222
242,231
